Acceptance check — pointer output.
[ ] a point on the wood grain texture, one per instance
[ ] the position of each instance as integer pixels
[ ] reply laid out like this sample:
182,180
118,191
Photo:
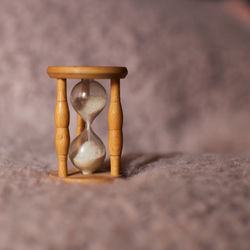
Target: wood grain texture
115,120
86,72
77,177
80,125
62,137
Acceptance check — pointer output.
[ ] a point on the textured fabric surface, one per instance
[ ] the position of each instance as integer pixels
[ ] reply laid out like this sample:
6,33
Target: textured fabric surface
187,90
188,83
169,201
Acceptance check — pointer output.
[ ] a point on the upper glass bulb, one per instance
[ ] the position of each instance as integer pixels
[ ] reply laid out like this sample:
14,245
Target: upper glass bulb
88,98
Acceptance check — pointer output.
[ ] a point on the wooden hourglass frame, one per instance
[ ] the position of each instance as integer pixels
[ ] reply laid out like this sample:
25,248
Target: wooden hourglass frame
115,120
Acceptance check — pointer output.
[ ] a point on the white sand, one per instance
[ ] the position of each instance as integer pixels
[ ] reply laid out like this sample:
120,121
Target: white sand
89,157
91,107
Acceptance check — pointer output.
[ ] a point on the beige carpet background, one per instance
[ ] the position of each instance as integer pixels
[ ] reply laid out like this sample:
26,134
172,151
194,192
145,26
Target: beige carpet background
188,90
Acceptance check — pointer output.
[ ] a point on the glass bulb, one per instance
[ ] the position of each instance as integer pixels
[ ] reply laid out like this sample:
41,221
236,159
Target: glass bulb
87,152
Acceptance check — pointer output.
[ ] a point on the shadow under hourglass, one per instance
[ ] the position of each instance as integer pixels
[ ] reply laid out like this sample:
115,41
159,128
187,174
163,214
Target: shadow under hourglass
134,163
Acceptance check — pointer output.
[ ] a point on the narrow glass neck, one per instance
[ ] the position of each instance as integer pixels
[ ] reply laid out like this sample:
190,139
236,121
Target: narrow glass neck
88,125
88,128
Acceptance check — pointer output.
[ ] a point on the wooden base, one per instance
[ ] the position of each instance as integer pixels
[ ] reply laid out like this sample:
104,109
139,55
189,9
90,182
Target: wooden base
75,175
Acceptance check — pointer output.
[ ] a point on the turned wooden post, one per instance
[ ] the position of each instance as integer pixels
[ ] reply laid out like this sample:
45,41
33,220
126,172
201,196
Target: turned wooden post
80,125
115,127
62,123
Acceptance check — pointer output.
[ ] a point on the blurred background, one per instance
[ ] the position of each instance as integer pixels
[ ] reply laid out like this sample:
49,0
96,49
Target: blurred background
188,87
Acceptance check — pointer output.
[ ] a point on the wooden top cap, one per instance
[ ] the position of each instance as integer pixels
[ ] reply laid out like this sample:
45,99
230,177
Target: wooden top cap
86,72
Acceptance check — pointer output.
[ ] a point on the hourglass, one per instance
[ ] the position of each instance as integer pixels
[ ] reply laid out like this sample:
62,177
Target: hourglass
88,98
